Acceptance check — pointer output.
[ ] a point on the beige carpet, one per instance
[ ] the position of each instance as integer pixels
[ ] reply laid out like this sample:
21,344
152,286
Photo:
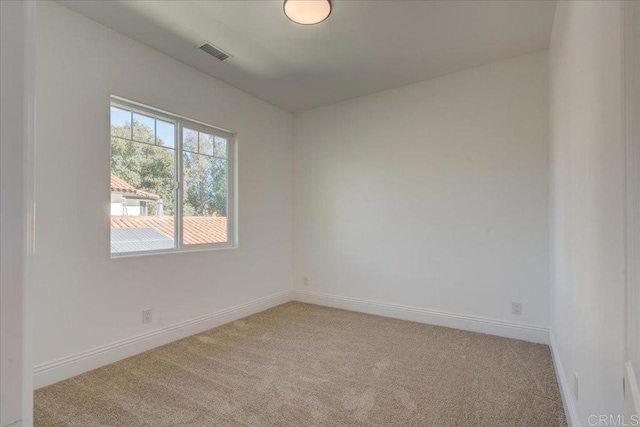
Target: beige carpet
303,365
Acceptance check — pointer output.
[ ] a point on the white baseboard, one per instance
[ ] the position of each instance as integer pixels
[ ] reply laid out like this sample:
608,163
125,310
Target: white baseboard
451,320
70,366
67,367
566,391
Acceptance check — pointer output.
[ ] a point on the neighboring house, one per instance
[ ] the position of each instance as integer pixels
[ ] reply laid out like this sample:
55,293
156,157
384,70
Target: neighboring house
127,200
132,229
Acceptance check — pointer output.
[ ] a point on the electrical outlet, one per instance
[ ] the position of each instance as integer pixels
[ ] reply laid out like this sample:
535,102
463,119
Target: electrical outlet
516,308
305,281
575,385
146,316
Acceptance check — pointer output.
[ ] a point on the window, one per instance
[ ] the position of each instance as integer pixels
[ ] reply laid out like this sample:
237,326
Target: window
171,182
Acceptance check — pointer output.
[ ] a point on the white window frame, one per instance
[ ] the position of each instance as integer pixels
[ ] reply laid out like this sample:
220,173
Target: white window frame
181,122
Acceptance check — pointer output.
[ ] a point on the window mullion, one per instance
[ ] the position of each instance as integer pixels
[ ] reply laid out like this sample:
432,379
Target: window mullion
178,196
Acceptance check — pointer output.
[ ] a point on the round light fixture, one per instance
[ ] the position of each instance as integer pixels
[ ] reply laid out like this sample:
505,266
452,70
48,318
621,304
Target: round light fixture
307,12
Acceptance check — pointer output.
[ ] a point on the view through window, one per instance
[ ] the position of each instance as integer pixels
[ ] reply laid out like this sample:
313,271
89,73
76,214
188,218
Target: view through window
170,182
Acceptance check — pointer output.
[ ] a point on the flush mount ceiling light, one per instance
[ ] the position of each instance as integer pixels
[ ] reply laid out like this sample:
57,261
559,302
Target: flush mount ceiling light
307,12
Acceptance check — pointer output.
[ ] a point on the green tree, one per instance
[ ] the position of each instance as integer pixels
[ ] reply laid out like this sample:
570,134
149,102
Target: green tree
149,166
205,177
145,165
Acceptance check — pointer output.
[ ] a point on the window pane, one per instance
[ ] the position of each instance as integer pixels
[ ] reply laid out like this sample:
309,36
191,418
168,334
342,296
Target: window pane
205,144
220,149
120,123
165,134
204,206
142,197
144,128
189,140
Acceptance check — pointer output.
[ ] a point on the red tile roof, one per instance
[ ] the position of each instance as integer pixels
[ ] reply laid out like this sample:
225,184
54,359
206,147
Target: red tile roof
121,186
197,230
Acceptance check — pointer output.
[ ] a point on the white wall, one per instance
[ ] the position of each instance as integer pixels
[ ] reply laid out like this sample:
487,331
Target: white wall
433,195
83,298
588,202
11,209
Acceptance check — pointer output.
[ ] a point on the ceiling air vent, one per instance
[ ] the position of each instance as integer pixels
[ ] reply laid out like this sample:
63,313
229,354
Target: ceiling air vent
214,51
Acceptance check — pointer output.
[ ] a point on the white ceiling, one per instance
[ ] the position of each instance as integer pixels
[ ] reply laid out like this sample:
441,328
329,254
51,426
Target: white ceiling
364,46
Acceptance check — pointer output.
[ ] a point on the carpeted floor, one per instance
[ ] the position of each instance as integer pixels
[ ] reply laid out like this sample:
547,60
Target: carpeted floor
302,365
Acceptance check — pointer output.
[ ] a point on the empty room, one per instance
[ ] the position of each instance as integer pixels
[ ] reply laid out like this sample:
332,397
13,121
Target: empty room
320,213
